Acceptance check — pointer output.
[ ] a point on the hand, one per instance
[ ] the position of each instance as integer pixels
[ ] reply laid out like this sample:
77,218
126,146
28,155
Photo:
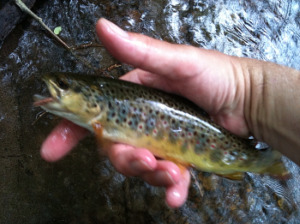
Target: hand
226,87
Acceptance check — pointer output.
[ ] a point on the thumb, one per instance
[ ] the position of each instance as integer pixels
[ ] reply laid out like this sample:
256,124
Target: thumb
170,60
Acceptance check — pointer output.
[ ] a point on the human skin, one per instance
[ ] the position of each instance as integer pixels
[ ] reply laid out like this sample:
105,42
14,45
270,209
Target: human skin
245,96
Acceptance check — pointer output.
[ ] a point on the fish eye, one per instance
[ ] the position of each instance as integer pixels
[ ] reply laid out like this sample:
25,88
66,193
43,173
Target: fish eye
62,84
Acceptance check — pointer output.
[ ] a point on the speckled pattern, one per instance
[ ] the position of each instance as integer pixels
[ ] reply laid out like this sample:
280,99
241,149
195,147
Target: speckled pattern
170,126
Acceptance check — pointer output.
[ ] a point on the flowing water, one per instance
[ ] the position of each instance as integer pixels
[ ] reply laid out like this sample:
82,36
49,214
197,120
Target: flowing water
84,187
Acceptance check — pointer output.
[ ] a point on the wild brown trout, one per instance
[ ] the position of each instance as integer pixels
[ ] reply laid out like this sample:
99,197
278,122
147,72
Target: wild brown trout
169,126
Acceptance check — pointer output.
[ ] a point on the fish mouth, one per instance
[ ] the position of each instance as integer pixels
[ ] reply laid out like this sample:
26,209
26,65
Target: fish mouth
42,100
51,102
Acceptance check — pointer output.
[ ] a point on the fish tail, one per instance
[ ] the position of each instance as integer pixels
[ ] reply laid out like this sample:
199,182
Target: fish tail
277,170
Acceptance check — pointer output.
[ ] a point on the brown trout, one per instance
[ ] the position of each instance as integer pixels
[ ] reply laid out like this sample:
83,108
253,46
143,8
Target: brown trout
169,126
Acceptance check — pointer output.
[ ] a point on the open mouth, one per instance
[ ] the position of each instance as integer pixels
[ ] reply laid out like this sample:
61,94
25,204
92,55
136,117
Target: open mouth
47,100
48,103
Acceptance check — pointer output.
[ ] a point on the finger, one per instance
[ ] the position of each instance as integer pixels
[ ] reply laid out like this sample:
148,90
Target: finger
131,161
166,174
61,140
177,194
170,60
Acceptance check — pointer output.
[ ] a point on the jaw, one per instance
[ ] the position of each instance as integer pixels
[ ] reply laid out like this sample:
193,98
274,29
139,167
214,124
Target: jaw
48,103
53,106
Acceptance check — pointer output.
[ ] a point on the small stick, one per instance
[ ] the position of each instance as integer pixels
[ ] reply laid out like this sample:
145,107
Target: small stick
112,67
200,188
24,8
38,117
90,44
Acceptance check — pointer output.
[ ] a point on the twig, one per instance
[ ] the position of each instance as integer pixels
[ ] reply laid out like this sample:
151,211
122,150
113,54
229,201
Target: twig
39,115
83,46
24,8
198,186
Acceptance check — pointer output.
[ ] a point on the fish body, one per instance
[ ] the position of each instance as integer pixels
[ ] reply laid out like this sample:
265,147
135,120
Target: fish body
169,126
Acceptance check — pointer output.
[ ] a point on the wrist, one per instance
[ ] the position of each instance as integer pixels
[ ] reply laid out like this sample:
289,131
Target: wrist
271,105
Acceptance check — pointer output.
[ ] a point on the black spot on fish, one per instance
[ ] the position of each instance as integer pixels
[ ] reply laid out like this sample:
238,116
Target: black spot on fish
110,105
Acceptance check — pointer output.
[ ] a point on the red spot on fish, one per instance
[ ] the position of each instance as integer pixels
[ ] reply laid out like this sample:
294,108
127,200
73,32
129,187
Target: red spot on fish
155,131
213,146
140,127
190,134
225,153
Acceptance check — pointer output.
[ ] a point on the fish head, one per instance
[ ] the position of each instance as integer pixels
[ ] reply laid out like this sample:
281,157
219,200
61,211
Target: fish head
71,98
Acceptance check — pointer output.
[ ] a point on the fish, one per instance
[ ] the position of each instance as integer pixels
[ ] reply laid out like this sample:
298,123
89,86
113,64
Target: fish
170,126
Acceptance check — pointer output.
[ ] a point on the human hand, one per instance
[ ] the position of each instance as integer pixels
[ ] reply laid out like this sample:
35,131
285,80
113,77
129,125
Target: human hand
220,84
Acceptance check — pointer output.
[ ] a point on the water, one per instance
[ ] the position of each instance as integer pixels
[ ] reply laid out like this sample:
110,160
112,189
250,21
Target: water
85,189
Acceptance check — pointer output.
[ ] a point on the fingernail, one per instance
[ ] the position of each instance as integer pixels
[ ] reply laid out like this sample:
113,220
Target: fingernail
47,155
140,166
165,177
112,28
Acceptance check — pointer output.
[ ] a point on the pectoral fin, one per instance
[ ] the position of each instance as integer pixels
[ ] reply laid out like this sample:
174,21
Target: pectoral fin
101,141
182,166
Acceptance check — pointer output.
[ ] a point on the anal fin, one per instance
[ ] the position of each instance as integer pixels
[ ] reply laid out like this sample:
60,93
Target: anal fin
278,171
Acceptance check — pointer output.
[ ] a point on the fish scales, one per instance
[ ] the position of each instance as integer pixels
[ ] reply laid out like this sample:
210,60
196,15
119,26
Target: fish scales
169,126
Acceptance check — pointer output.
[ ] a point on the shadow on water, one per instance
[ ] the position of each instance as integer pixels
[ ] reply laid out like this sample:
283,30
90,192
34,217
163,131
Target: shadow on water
83,187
